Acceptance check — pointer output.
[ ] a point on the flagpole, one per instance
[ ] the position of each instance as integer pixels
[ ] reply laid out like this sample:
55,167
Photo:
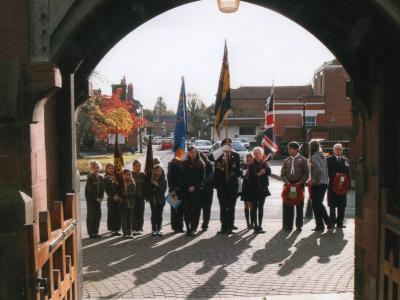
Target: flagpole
226,127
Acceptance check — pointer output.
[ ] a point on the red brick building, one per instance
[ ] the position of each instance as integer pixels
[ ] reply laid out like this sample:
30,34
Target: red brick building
164,125
321,110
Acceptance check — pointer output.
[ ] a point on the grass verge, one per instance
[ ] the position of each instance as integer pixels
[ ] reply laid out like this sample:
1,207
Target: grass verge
82,164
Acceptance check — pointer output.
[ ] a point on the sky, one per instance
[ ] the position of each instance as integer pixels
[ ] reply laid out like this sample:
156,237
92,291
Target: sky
263,47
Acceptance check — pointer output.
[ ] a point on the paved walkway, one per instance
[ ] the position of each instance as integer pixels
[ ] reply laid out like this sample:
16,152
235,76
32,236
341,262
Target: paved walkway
211,265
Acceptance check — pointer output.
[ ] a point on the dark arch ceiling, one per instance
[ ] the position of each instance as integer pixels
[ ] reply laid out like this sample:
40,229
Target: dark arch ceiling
360,33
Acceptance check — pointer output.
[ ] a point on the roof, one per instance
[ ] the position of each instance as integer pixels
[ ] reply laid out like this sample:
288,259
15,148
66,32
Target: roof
171,118
263,92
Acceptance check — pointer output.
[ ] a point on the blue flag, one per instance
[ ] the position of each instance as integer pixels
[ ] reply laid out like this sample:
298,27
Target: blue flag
181,125
223,100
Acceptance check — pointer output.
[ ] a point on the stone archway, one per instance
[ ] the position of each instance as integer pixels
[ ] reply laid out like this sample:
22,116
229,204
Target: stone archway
73,36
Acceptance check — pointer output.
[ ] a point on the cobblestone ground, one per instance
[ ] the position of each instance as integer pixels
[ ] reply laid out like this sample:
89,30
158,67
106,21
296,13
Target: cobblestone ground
211,265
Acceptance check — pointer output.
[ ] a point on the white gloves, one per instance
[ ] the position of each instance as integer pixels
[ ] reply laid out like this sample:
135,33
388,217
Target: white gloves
218,153
226,148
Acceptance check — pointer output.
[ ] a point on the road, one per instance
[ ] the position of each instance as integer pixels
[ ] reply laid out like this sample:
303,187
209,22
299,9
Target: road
272,208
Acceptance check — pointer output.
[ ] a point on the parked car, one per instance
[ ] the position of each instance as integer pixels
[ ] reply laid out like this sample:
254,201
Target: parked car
166,144
236,146
244,141
157,140
203,145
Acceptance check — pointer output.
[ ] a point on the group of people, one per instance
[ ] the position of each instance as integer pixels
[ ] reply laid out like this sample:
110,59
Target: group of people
192,181
320,174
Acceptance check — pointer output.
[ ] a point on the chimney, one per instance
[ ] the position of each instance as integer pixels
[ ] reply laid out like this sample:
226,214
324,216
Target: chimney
123,80
130,92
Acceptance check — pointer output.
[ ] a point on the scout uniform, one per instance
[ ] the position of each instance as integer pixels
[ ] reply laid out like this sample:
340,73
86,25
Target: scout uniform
94,190
294,170
128,190
139,201
113,205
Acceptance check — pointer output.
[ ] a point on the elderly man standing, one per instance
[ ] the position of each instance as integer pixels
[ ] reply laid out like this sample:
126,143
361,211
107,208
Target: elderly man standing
338,165
294,171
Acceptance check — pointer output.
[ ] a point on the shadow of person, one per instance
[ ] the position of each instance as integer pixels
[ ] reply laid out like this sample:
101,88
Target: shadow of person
219,250
321,245
275,251
115,255
215,281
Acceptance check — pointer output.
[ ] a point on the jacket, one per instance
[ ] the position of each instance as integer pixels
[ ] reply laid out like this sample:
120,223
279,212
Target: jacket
109,187
334,166
127,195
192,175
174,176
94,188
157,193
301,171
319,169
259,184
141,186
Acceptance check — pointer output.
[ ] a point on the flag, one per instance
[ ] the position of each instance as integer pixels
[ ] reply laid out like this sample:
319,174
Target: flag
118,160
148,167
223,100
268,141
180,132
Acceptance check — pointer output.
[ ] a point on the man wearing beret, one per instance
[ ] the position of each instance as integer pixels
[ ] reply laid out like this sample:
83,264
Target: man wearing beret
226,174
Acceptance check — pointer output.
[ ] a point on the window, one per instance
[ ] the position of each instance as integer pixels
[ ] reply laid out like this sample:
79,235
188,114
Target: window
247,130
310,121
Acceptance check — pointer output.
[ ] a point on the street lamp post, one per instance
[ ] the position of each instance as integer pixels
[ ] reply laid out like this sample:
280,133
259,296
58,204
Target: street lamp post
163,128
309,212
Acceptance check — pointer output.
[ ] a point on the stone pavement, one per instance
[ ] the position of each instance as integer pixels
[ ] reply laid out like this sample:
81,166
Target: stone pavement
214,266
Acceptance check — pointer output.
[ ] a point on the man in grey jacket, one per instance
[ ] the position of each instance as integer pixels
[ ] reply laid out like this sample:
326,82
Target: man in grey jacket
319,183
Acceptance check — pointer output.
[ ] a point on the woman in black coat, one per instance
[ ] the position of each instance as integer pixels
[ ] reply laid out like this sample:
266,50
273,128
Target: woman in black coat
192,182
258,177
246,194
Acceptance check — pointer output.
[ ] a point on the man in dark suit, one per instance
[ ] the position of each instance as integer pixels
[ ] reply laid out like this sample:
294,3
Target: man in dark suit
226,181
337,163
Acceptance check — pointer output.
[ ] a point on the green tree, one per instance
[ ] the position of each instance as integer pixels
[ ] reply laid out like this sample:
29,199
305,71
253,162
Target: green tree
198,118
148,114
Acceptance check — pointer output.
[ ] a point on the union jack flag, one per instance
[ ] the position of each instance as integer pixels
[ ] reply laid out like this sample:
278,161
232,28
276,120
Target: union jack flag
268,141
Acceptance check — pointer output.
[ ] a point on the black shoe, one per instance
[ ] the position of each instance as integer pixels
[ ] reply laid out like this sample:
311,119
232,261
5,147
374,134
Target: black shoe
230,232
222,231
317,229
234,227
341,226
128,237
298,229
95,236
250,226
117,234
260,230
287,229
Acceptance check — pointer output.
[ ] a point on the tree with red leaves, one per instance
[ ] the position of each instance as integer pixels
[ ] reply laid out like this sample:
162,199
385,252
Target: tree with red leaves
112,115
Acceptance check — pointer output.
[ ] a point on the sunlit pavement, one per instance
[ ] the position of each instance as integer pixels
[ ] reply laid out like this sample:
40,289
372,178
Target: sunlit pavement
209,265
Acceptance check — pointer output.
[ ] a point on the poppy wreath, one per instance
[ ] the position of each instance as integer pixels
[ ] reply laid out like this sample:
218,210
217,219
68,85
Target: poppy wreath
341,186
291,198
